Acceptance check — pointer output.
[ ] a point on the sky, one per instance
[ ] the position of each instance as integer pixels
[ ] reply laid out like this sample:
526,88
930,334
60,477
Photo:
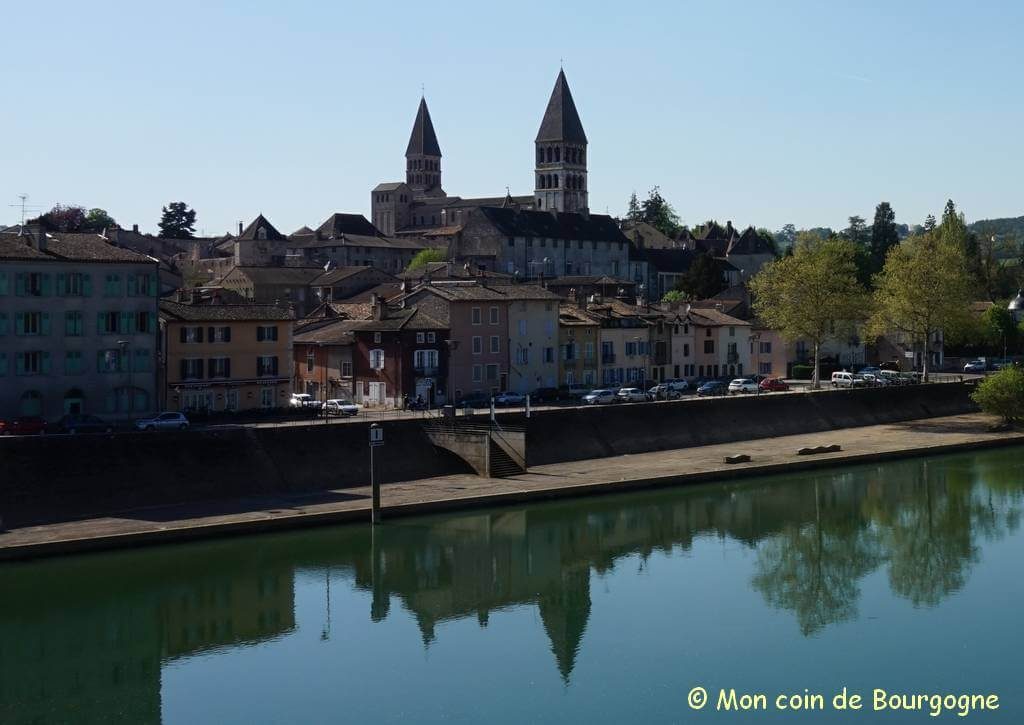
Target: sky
759,113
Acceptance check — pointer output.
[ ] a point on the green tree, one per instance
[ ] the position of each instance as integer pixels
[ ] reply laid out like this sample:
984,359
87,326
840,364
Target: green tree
703,279
61,218
769,239
999,328
884,235
923,289
672,296
812,295
425,257
633,212
96,220
177,221
659,213
929,223
857,231
1002,394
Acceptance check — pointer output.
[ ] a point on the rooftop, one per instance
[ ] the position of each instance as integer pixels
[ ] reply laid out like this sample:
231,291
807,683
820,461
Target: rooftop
239,313
66,247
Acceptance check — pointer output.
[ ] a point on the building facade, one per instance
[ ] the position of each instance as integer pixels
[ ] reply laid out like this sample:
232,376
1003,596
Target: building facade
78,327
225,357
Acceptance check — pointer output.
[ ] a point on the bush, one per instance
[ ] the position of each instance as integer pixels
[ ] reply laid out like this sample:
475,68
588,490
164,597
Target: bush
803,372
1002,394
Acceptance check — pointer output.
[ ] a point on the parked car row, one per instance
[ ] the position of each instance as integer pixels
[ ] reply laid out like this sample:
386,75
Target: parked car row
335,407
74,424
872,377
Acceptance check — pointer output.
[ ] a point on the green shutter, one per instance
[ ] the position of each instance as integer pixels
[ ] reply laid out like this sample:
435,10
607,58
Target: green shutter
46,363
151,322
19,363
46,288
3,324
19,323
45,327
3,284
153,284
86,285
132,285
99,323
19,284
124,325
62,284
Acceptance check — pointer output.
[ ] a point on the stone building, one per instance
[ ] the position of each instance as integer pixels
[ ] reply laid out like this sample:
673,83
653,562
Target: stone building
78,327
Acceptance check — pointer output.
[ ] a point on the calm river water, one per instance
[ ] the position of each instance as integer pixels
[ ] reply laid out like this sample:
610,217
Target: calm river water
905,576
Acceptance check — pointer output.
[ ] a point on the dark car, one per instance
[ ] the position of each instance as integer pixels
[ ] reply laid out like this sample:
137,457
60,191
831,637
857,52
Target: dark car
26,425
75,424
713,387
545,395
475,400
771,385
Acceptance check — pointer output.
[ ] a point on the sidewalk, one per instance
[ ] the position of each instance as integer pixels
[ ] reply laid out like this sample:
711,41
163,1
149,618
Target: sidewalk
621,473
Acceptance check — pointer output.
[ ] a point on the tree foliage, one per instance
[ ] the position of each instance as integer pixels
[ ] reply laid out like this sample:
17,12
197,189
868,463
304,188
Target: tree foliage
96,220
656,211
703,279
923,289
673,296
884,235
1002,394
425,257
73,218
177,221
812,295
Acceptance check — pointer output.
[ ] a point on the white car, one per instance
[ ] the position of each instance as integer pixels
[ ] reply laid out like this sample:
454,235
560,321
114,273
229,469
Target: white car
509,398
164,421
303,400
742,385
599,397
677,384
631,395
340,407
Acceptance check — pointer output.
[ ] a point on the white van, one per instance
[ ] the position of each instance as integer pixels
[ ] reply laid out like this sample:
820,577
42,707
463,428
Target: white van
842,380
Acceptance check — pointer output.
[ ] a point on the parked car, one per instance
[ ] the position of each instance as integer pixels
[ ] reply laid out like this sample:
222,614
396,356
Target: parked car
742,385
975,366
509,398
713,387
164,421
75,424
541,396
870,370
602,396
25,425
304,400
875,379
773,385
842,379
663,391
677,384
893,377
339,407
475,400
631,395
573,392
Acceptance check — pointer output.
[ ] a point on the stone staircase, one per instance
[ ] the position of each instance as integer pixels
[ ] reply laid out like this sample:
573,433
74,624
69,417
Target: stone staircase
492,450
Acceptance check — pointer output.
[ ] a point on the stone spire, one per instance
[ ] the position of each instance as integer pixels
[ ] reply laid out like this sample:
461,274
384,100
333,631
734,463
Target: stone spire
561,120
561,145
423,156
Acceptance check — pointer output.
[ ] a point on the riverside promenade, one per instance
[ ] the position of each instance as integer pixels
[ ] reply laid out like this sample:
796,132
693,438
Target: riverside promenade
703,464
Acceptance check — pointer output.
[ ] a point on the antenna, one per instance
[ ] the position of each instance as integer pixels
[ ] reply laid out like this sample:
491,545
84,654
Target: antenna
23,206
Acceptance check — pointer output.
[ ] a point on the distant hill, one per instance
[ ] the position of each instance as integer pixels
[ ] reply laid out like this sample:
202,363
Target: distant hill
1005,227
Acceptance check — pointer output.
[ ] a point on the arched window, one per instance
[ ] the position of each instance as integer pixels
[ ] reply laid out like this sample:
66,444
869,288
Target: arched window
551,155
32,403
540,156
540,203
556,180
558,153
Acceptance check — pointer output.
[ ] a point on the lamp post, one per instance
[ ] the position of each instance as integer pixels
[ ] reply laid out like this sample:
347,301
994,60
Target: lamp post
453,345
123,345
756,339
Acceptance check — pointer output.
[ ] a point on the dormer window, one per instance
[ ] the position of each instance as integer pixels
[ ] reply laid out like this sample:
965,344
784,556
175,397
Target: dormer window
261,233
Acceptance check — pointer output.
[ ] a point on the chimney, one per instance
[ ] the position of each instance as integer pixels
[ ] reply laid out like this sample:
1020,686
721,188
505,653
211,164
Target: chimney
239,228
377,307
135,228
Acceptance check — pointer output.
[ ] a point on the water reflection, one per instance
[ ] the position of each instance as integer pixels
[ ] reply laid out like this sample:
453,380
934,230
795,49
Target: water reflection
85,639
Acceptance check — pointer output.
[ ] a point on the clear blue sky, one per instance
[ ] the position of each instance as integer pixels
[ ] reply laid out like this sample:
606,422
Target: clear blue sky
763,113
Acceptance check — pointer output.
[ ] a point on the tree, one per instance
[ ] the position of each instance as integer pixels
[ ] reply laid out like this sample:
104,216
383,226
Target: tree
1002,394
659,213
929,223
857,231
812,295
923,290
999,328
672,296
633,213
884,235
786,237
97,220
177,221
769,239
61,218
425,257
703,279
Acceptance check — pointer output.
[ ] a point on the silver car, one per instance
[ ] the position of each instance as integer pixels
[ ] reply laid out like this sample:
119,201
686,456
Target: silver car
340,407
164,421
631,395
599,397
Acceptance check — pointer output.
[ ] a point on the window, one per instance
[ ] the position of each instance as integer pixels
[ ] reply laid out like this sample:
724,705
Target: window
73,324
218,367
112,286
478,345
569,351
686,349
732,332
32,284
377,338
709,347
631,349
310,360
377,359
478,373
588,350
766,348
112,361
495,344
74,284
522,356
421,337
32,363
492,373
494,315
266,365
73,362
431,337
765,368
475,316
346,370
142,360
266,333
549,354
267,398
141,285
219,334
425,361
191,334
32,323
522,328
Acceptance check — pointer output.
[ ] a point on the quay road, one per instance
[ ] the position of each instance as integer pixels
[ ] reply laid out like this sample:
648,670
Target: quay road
703,464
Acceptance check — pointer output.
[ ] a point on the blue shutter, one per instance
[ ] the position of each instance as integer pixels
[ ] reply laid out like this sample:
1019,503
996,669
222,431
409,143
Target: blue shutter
86,285
46,323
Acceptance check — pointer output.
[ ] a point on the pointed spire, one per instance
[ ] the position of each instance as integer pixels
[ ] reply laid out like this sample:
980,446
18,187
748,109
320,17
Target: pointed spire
561,120
423,139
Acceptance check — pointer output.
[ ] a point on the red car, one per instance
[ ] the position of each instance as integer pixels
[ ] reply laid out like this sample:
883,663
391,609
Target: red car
773,385
24,426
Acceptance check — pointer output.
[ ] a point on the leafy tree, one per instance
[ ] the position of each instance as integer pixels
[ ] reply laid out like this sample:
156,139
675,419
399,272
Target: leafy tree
96,220
812,295
425,257
672,296
1002,394
923,289
703,279
659,213
884,235
859,234
633,213
786,237
999,328
857,231
769,239
61,218
929,223
177,221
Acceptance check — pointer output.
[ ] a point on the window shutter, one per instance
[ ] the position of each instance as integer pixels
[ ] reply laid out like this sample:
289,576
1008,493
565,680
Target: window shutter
86,285
132,285
199,333
273,361
19,284
227,334
150,322
19,363
19,323
99,323
46,323
62,284
259,334
183,372
227,367
46,362
209,334
46,287
273,336
210,368
152,284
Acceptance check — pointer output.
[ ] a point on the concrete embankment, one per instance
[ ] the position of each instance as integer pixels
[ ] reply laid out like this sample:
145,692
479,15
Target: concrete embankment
63,477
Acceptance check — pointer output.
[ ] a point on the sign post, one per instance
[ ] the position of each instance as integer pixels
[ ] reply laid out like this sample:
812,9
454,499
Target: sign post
376,439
